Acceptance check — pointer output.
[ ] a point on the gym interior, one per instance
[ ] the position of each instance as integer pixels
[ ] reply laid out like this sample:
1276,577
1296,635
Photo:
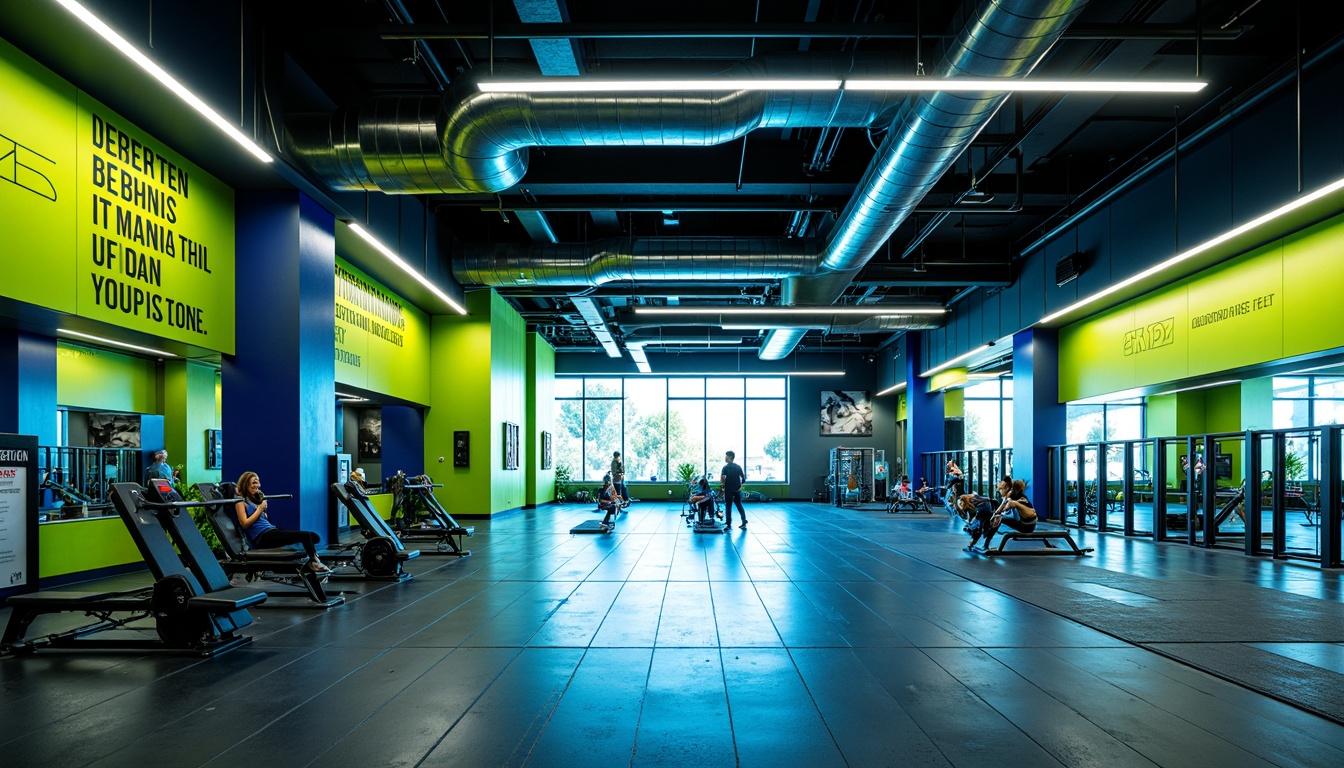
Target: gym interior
482,291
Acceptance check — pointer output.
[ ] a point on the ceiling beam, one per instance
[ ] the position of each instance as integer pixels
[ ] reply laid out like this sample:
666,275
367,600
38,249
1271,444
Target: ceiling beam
669,29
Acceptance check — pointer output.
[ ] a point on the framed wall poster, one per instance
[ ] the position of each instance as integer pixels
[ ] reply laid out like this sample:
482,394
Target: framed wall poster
114,430
511,445
846,412
371,434
214,449
545,450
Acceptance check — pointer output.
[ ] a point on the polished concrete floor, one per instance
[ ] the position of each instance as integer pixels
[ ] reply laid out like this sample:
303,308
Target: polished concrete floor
817,637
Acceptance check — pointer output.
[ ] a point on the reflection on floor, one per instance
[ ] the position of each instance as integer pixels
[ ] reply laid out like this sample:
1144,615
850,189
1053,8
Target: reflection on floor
818,637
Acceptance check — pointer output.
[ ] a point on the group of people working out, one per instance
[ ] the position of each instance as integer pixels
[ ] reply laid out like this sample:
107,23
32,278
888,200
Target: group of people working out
1013,510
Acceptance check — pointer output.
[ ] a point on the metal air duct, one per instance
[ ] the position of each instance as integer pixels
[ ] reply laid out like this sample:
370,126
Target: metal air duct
1001,38
641,259
472,141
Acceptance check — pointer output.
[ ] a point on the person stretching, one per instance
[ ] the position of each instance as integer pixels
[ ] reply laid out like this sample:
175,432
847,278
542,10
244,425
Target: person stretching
251,511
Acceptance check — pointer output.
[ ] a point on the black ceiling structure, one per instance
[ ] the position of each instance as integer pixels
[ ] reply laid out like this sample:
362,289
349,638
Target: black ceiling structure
703,210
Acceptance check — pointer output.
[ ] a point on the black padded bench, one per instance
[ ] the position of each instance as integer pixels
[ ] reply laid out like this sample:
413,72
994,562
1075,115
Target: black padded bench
418,516
194,609
907,504
1043,536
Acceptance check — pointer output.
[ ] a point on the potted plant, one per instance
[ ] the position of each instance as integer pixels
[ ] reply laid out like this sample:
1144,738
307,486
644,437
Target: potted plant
562,480
686,472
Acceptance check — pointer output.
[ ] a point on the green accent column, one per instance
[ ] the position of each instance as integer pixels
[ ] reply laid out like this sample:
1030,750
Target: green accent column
189,409
481,368
541,415
954,403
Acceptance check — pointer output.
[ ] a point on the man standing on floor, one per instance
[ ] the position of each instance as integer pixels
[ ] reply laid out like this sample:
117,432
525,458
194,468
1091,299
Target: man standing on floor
732,477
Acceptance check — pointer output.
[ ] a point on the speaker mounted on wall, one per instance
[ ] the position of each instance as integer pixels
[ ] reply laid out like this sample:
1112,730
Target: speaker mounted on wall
462,448
1069,268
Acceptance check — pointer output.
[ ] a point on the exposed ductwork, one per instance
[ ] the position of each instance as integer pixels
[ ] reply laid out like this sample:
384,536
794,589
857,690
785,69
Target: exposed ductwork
476,142
642,259
1003,38
473,141
840,323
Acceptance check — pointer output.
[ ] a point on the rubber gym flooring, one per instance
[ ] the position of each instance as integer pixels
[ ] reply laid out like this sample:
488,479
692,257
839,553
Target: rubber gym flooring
818,637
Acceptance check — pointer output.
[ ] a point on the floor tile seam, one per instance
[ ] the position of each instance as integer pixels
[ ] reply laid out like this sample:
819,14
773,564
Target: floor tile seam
1008,717
1128,642
1156,702
205,707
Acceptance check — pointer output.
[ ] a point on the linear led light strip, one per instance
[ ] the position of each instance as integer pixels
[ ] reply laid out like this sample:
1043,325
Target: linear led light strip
171,83
953,361
395,259
641,359
1198,249
869,311
352,398
114,343
892,388
957,84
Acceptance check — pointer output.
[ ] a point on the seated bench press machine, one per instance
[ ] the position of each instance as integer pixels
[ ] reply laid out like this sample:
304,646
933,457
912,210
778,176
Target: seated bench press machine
383,549
418,516
194,608
284,565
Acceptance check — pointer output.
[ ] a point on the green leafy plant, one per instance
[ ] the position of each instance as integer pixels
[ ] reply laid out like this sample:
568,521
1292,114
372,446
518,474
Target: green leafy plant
1294,466
198,514
563,478
686,472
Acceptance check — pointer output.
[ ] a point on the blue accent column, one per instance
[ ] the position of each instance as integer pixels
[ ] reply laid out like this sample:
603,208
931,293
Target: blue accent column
28,385
923,413
1038,416
151,440
279,386
404,442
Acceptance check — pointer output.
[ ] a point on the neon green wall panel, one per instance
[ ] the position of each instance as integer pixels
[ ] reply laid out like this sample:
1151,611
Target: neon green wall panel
1313,282
189,410
37,200
460,400
508,397
84,545
382,342
954,403
541,415
93,378
109,223
1264,305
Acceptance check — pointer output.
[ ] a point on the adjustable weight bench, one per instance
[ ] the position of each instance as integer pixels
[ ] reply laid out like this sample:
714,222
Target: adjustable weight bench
1045,537
281,565
190,614
382,552
416,496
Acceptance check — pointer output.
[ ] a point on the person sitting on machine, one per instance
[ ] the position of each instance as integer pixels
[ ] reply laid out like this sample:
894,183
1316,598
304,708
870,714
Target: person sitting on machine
925,492
702,500
903,490
608,501
251,511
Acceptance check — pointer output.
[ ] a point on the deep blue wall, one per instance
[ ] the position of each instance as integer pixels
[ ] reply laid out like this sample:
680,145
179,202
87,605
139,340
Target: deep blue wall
279,388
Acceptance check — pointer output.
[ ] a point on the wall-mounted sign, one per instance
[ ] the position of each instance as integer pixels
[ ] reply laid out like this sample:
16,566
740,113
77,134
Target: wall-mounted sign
18,513
382,342
102,220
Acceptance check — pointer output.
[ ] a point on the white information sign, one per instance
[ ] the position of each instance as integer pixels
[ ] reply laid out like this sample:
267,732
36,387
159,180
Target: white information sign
13,526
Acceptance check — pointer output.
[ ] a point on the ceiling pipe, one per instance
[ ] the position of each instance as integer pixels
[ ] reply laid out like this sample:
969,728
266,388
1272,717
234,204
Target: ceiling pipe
1000,38
472,141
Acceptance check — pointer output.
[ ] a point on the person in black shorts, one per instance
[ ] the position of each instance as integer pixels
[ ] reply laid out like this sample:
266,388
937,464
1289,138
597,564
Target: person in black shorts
732,477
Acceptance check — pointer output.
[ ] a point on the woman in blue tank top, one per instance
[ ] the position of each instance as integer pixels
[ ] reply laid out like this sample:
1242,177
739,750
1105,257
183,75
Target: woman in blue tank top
251,510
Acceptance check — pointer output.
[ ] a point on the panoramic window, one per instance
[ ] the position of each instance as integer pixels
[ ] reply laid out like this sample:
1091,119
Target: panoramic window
989,414
660,423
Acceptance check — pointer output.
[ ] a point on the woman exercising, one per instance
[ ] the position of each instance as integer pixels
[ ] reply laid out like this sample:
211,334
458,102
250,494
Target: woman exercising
251,511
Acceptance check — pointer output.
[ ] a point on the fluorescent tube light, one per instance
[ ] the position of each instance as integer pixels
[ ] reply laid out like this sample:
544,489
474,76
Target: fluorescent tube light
924,84
582,85
871,311
953,361
677,342
1198,386
962,84
892,388
1198,249
815,373
115,343
395,259
352,398
158,73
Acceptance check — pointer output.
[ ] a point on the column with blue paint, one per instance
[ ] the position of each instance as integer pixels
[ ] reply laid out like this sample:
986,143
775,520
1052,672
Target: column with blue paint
1038,416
